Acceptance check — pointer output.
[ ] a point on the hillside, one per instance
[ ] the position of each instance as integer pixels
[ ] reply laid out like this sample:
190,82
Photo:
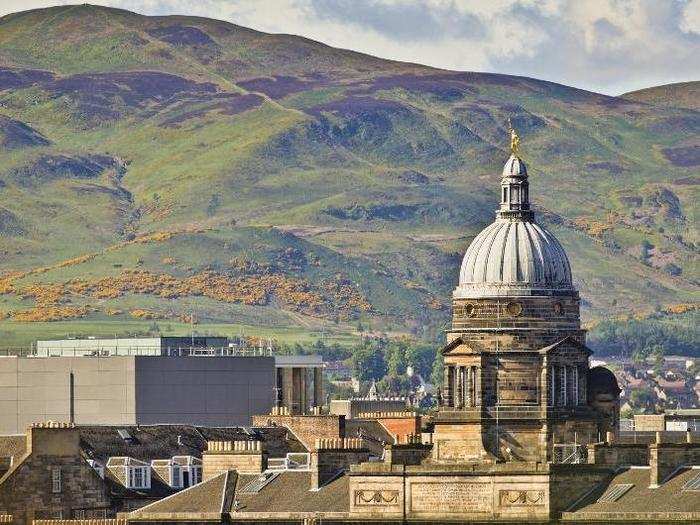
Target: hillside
681,95
159,168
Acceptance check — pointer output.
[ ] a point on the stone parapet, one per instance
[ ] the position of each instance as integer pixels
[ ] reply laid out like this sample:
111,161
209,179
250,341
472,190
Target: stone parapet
630,517
245,457
666,458
407,453
330,457
105,521
618,454
340,444
387,415
242,446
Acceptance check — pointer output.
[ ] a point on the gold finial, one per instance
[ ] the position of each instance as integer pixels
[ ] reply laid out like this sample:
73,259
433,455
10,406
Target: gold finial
514,139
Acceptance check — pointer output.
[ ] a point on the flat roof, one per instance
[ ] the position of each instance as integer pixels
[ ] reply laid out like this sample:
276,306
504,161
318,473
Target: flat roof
286,361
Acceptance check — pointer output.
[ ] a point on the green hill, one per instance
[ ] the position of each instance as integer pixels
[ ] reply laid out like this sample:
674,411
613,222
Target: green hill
159,167
681,95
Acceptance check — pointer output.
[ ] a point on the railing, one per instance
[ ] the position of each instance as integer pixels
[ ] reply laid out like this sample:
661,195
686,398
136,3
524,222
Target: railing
645,437
571,453
292,461
510,412
102,351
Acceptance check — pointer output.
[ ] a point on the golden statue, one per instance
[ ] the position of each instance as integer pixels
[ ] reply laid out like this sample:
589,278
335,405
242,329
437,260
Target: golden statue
514,139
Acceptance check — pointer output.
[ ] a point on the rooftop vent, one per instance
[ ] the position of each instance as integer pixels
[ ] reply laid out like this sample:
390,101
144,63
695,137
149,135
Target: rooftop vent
615,492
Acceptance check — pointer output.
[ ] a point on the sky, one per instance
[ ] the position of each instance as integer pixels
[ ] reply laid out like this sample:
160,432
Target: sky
609,46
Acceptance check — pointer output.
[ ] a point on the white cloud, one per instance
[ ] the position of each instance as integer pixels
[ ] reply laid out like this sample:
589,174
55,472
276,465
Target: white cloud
690,22
604,45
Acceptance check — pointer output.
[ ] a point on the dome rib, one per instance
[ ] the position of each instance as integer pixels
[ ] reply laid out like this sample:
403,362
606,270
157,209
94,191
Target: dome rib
513,258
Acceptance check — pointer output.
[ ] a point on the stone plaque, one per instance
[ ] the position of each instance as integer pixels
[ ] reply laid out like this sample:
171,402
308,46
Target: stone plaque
450,497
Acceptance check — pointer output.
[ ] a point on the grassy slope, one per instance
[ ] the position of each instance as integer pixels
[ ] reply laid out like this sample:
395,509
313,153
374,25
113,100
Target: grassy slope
680,95
383,171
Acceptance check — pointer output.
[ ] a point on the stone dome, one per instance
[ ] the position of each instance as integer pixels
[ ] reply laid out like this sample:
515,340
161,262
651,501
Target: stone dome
514,255
514,167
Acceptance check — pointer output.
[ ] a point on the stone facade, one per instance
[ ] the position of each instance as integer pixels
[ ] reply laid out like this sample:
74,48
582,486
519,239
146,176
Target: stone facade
52,480
245,457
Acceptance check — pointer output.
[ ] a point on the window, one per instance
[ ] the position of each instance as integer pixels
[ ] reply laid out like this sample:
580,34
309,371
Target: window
175,476
574,385
552,386
56,480
138,478
505,194
196,475
563,387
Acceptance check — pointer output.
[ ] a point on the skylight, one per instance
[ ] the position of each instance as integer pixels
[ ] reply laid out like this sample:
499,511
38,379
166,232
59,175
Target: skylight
615,492
692,484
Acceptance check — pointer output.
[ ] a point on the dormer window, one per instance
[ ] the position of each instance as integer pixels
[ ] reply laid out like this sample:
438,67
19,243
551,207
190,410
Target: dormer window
138,477
97,467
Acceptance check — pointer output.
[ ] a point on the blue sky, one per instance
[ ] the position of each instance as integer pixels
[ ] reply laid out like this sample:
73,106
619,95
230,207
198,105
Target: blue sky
610,46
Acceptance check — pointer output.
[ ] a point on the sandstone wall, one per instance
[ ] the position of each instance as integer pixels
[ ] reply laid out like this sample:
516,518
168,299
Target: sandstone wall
306,428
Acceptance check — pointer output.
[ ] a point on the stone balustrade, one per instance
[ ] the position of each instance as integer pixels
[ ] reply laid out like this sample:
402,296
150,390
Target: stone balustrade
340,444
53,424
386,415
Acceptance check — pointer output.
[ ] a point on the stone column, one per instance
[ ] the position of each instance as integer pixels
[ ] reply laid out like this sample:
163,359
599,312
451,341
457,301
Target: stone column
449,387
459,402
544,384
303,392
477,386
573,375
318,386
470,387
287,387
296,407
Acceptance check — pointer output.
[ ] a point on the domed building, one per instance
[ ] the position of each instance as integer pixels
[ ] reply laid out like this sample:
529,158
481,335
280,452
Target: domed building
520,408
516,364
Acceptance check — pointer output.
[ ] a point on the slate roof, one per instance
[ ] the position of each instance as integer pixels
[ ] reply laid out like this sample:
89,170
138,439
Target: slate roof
372,431
668,498
206,500
13,446
161,441
289,492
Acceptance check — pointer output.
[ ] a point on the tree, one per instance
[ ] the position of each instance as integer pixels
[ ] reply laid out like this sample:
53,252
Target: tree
368,361
642,399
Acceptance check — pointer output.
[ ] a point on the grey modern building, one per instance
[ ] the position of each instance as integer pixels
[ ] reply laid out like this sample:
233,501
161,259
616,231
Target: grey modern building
134,390
165,346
